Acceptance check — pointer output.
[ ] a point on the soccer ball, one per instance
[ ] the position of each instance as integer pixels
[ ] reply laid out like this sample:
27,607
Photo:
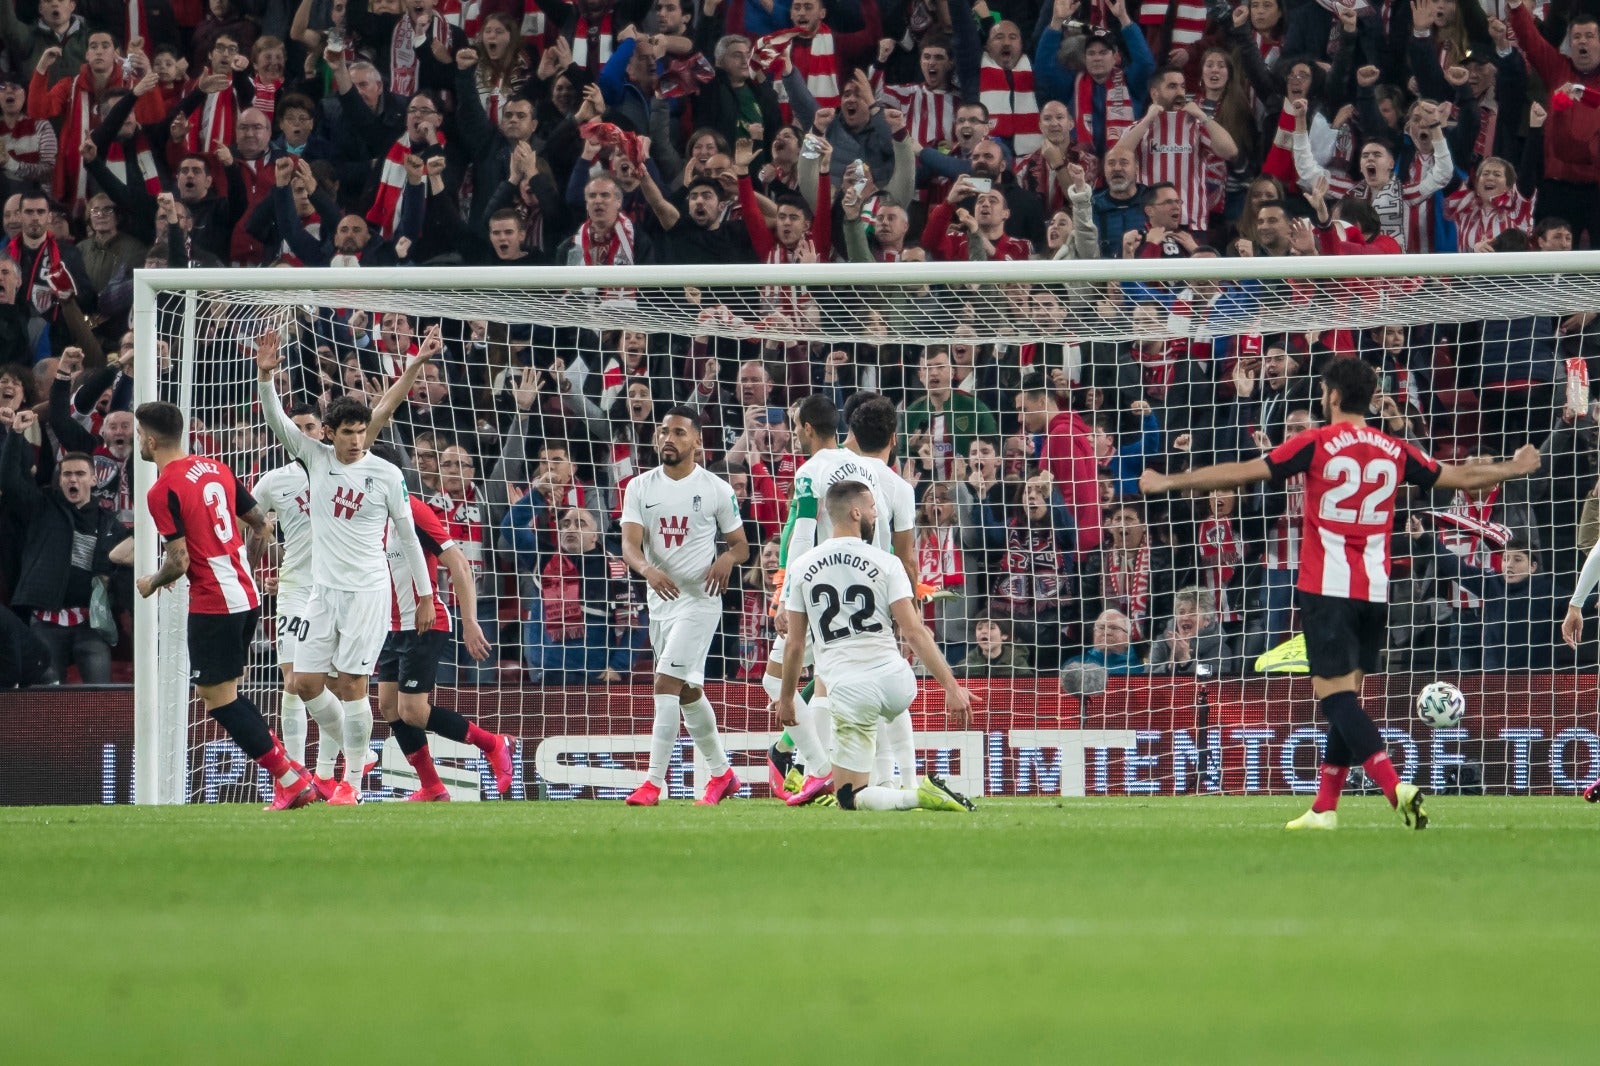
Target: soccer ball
1441,705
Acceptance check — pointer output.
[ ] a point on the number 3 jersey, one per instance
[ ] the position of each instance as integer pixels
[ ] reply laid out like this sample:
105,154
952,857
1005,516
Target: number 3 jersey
197,498
1352,473
845,586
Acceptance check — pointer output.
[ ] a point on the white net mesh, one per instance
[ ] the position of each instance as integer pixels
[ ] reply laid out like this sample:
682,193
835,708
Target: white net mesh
544,403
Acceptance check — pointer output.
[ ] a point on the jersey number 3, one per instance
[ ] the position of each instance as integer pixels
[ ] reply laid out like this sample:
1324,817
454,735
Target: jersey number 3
1349,478
859,597
217,499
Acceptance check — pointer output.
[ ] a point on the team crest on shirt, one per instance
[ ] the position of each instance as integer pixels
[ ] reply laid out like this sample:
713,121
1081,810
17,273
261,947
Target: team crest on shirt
368,485
696,505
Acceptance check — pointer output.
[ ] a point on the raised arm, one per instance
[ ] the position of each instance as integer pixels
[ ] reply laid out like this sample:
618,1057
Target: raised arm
268,359
1206,478
395,395
1484,475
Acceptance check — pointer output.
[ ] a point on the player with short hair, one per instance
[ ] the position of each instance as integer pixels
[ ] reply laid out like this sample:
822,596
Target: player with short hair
197,505
874,425
817,430
1352,471
285,494
671,517
408,667
353,497
848,597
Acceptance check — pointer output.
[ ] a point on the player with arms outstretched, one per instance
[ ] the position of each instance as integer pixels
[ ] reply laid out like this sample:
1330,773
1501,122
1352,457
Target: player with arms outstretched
671,517
1352,471
198,507
286,496
354,495
847,596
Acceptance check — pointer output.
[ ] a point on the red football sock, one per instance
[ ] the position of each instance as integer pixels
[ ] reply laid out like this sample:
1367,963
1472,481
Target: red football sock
1330,782
1381,770
277,762
481,738
422,762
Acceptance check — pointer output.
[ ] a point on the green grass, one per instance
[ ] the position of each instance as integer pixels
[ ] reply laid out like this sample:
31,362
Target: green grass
1169,930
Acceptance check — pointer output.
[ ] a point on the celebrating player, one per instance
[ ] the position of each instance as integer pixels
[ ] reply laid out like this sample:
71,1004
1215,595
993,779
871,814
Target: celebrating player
848,596
353,497
817,430
197,506
670,520
1352,471
285,495
409,664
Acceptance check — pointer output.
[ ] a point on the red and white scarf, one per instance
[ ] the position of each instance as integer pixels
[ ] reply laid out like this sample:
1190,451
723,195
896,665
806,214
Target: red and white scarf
789,300
939,560
71,184
1283,544
1119,108
404,66
385,210
598,35
1013,108
138,22
1470,533
312,224
25,140
266,99
813,57
615,250
117,161
1188,19
463,519
465,15
49,282
1219,559
211,125
1128,590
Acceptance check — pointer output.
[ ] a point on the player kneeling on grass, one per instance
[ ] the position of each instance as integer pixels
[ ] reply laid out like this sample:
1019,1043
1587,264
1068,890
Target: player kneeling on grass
1352,471
846,596
198,507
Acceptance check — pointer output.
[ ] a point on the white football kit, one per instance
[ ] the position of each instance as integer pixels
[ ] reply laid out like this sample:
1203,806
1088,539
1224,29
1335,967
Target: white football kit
845,587
286,493
350,510
681,521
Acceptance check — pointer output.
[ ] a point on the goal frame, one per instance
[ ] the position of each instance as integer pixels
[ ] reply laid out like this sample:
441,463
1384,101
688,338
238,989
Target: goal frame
162,698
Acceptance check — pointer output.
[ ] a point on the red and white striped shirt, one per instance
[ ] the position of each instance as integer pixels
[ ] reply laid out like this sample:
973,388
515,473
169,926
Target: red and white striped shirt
435,542
1188,19
464,524
1283,543
1352,471
1178,149
930,113
198,498
1479,220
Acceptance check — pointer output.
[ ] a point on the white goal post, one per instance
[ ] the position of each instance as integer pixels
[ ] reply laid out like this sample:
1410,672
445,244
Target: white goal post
997,306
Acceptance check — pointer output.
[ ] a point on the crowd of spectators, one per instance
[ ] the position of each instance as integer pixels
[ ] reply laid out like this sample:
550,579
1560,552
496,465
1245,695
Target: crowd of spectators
434,133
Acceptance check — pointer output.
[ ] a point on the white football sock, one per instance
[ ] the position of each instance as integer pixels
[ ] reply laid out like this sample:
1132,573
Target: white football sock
806,742
702,723
822,721
904,747
883,757
357,739
875,798
325,710
663,735
772,684
292,726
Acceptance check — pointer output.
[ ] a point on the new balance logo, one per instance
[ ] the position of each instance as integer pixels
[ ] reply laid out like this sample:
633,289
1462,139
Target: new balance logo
346,502
673,530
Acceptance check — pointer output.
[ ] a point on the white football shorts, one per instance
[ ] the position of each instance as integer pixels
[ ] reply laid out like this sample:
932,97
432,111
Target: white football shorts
682,639
293,623
858,703
347,632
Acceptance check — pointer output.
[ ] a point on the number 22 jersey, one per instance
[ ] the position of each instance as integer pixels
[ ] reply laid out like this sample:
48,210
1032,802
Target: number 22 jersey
1352,473
845,586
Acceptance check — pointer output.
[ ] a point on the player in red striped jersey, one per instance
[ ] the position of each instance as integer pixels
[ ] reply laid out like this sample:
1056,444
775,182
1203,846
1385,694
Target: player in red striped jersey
409,664
1352,471
197,506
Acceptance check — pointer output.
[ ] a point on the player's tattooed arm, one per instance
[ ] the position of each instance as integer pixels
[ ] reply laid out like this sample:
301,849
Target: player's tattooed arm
173,566
432,344
259,537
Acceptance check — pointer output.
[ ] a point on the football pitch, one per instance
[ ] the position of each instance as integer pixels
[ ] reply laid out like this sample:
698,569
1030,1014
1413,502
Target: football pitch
1180,930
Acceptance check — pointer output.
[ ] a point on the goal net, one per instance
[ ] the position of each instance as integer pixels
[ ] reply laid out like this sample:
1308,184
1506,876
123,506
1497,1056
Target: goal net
1122,645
